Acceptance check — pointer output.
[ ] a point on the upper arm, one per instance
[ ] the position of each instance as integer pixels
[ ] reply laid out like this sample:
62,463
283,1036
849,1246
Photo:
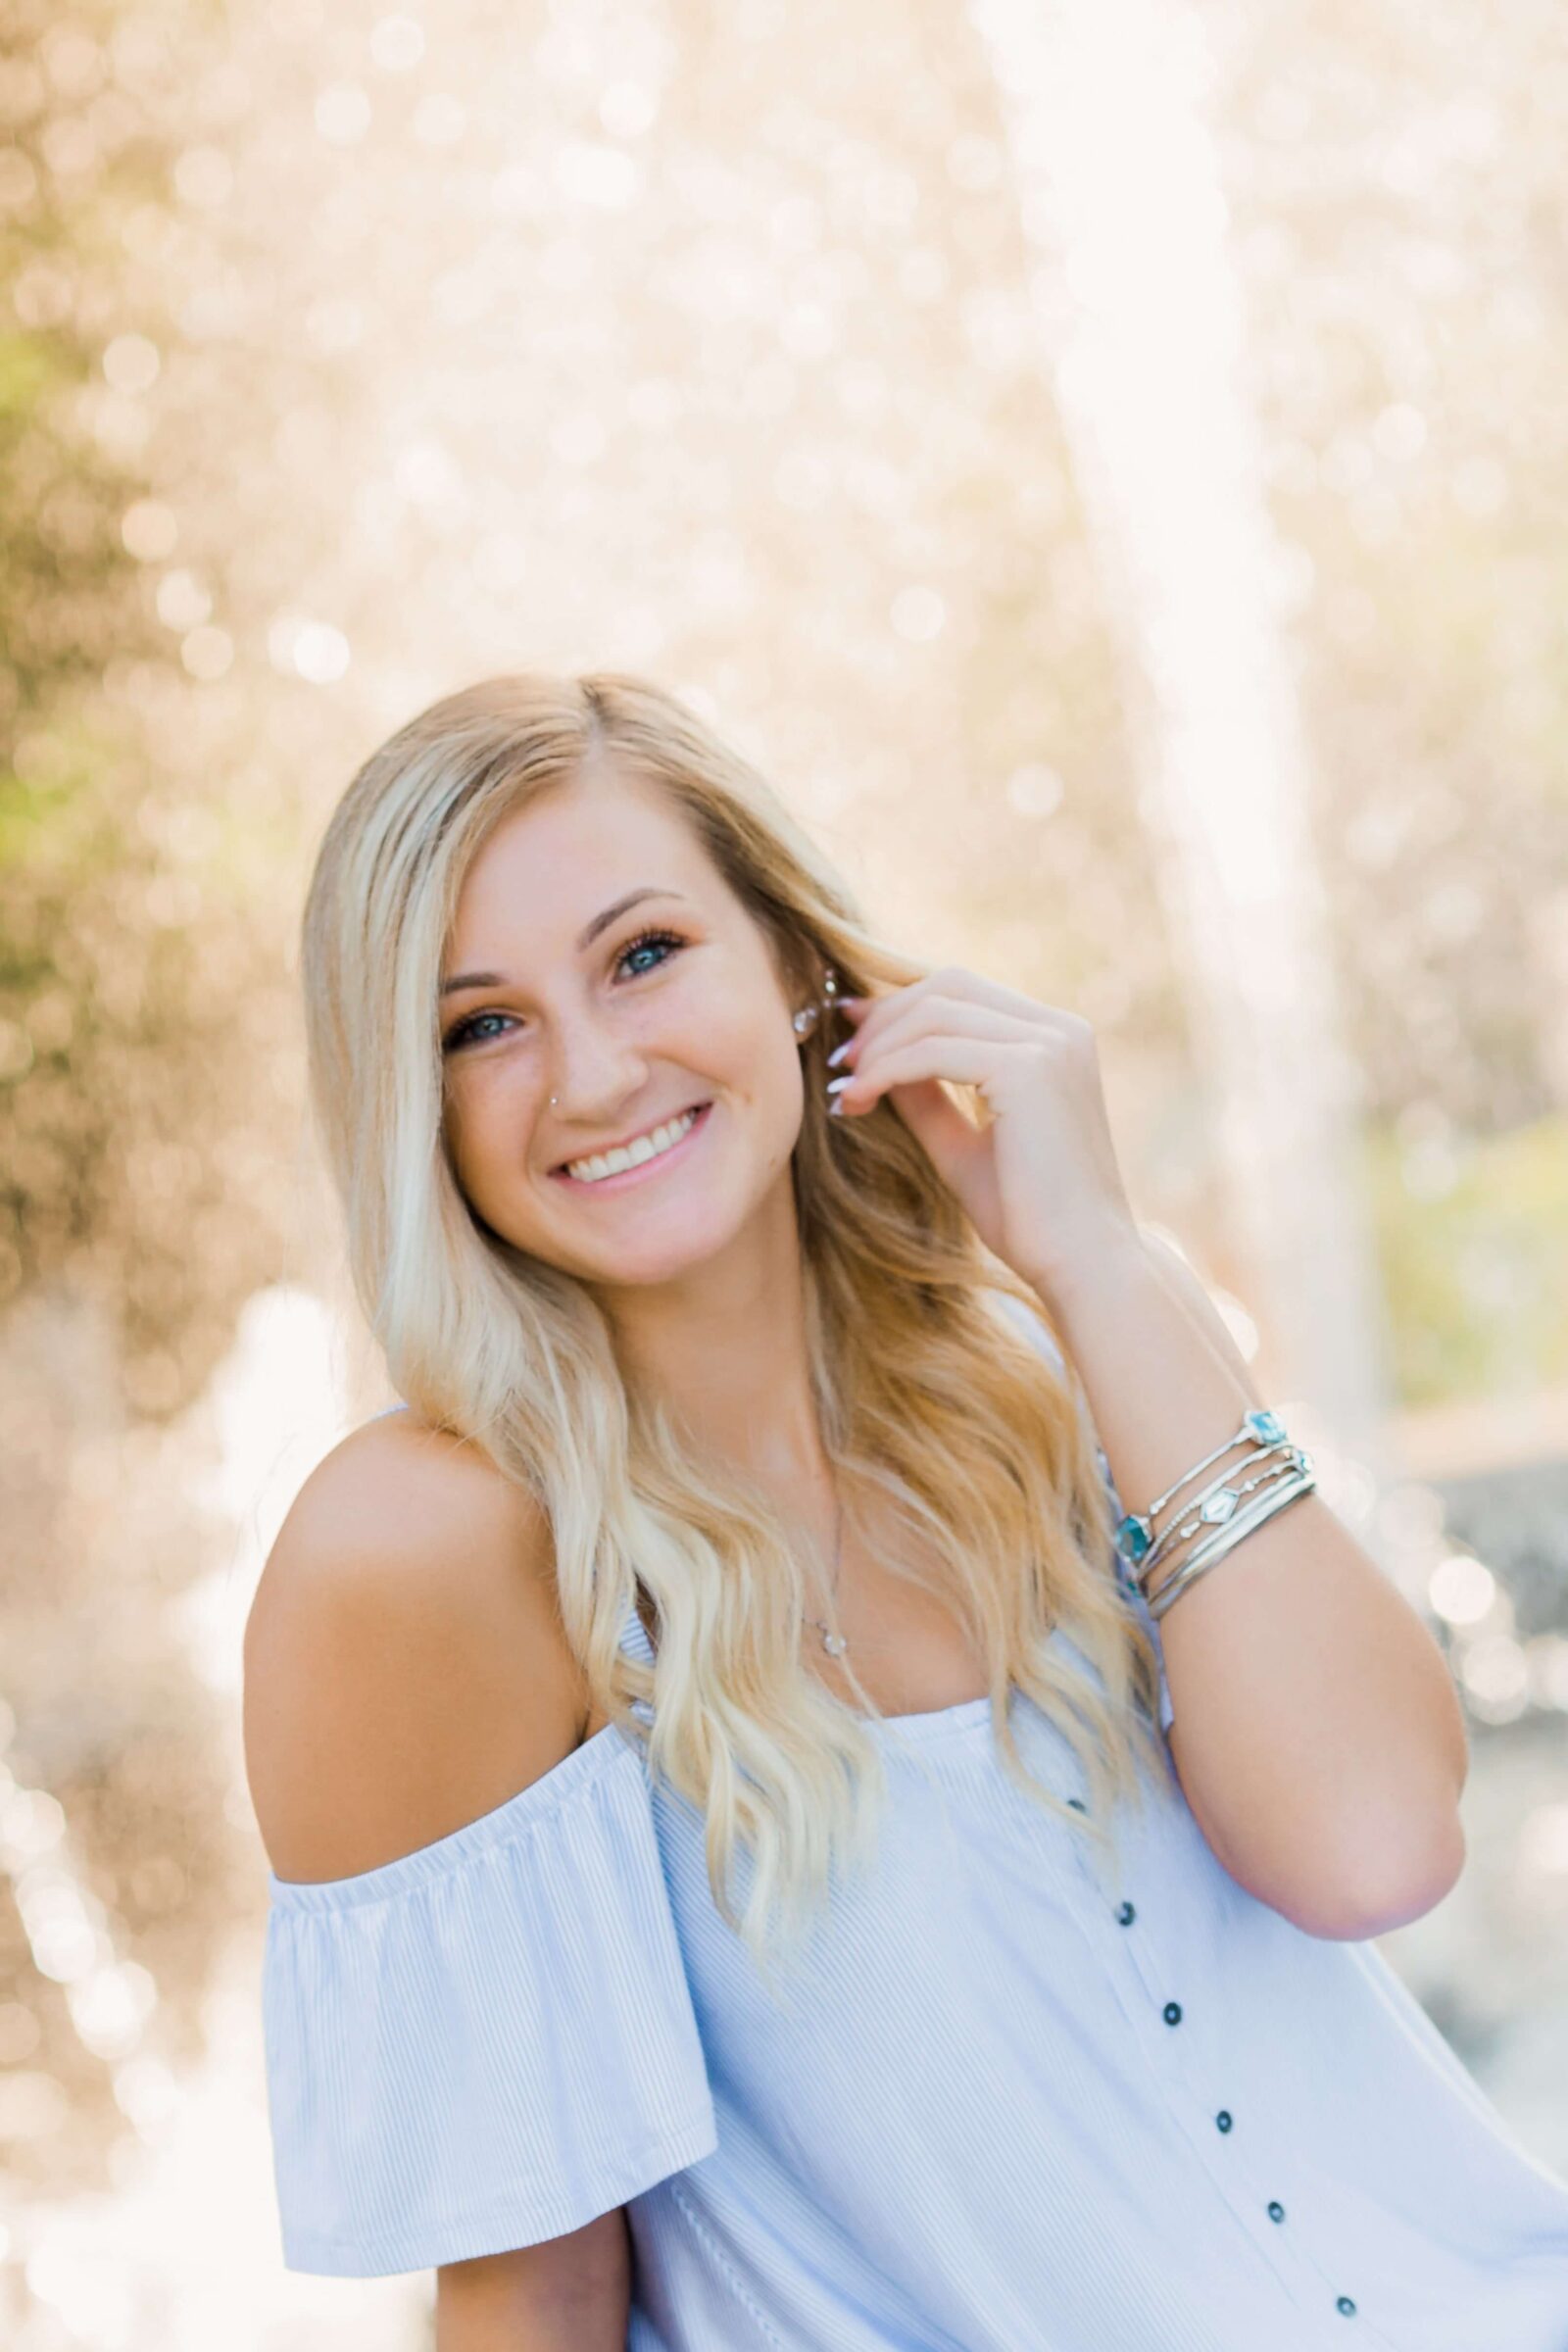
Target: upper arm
453,2083
405,1673
405,1667
566,2294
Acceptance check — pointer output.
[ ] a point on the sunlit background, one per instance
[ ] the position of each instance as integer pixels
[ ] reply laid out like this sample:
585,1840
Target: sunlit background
1107,461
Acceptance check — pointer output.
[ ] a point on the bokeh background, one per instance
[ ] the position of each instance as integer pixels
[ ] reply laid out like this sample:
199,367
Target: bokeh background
1107,463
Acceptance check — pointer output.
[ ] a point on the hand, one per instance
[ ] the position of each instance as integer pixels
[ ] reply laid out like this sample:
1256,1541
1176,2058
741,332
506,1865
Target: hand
1039,1180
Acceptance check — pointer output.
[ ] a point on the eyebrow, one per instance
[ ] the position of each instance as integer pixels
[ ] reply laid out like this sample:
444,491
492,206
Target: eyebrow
585,937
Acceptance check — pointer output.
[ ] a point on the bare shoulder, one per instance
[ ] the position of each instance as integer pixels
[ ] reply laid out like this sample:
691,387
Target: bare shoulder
404,1666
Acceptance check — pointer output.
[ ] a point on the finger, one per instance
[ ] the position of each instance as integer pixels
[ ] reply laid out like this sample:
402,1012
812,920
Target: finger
963,1060
957,983
931,1017
938,1125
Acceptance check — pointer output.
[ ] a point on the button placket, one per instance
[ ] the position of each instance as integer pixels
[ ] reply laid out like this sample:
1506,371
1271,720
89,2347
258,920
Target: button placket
1126,1914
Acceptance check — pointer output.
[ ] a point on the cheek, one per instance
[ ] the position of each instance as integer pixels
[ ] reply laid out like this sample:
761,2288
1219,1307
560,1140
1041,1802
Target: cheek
775,1082
486,1130
758,1055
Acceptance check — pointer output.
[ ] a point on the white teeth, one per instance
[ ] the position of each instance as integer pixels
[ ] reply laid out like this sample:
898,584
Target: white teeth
632,1155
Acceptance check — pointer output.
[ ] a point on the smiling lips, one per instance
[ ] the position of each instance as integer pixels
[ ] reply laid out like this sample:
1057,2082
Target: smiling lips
652,1143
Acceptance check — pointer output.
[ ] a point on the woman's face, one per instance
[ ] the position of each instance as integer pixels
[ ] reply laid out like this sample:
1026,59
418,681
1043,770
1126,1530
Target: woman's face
631,1018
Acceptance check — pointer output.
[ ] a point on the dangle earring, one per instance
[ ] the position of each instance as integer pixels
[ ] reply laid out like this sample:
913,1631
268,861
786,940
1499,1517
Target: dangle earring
807,1018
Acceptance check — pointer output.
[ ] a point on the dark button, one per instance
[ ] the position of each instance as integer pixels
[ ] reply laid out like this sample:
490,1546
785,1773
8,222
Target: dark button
1172,2013
1346,2305
1126,1915
1223,2119
1276,2210
1077,1804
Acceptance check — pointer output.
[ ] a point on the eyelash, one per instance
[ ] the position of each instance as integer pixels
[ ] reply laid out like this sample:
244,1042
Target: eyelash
463,1032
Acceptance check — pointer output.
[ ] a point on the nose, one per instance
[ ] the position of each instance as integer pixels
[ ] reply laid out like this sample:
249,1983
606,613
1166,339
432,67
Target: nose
592,1073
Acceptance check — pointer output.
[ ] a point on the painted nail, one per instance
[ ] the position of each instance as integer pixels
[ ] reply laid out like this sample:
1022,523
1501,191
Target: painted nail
835,1108
836,1085
839,1052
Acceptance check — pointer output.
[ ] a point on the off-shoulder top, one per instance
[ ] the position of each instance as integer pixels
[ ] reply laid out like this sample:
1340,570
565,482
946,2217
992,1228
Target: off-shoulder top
1006,2109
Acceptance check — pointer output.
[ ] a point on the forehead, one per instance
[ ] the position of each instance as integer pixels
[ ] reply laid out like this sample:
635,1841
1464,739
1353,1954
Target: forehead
547,867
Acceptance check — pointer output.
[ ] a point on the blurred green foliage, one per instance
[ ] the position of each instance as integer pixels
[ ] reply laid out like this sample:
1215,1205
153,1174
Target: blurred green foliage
113,1138
124,980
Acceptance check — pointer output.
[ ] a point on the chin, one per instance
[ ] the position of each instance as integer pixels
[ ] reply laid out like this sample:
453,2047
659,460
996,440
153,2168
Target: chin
658,1255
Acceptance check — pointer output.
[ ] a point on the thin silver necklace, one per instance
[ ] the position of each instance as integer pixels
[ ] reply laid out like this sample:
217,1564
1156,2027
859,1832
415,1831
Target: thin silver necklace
834,1643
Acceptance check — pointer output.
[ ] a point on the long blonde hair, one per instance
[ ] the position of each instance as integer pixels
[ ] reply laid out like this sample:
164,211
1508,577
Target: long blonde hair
933,1405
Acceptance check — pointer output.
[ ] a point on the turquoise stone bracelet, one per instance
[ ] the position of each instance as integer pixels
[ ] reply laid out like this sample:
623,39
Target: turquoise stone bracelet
1135,1536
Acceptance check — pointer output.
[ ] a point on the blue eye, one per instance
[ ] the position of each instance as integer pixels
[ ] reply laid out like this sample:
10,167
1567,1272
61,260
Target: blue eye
471,1029
650,939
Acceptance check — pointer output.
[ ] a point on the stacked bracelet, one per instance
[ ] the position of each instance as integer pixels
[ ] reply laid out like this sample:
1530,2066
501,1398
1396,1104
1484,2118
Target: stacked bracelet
1285,1474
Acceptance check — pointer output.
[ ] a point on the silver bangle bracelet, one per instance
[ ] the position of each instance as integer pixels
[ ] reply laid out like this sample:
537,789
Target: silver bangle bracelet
1206,1512
1134,1537
1207,1556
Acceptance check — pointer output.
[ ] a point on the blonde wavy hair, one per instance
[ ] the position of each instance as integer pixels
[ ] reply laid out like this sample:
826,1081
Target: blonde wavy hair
935,1406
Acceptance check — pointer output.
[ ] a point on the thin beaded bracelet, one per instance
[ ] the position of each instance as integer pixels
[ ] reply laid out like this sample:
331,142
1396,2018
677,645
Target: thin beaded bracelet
1206,1510
1298,1482
1260,1432
1134,1537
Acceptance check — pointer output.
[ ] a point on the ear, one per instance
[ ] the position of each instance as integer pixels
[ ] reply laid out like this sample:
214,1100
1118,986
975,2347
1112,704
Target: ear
1179,1277
799,974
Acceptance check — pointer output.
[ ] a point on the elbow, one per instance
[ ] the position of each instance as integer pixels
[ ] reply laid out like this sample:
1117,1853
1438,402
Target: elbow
1371,1895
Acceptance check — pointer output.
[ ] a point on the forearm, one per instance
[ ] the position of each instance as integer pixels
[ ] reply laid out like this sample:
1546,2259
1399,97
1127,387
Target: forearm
1317,1734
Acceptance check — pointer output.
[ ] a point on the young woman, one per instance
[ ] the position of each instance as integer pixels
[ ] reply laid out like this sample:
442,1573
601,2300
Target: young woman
764,1852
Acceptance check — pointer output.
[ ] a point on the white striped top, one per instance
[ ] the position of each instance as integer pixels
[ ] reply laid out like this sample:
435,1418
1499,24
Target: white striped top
1007,2109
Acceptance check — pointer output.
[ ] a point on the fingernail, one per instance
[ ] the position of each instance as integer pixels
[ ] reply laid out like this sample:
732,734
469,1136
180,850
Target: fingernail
835,1085
839,1052
835,1108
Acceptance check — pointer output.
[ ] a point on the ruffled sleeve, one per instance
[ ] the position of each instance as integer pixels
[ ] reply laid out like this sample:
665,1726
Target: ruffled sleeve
487,2041
1035,1329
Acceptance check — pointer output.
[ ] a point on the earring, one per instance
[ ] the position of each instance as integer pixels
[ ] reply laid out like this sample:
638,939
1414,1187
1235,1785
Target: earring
807,1018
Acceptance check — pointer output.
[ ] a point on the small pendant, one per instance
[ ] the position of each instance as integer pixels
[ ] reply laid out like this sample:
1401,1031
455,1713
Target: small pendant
834,1643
